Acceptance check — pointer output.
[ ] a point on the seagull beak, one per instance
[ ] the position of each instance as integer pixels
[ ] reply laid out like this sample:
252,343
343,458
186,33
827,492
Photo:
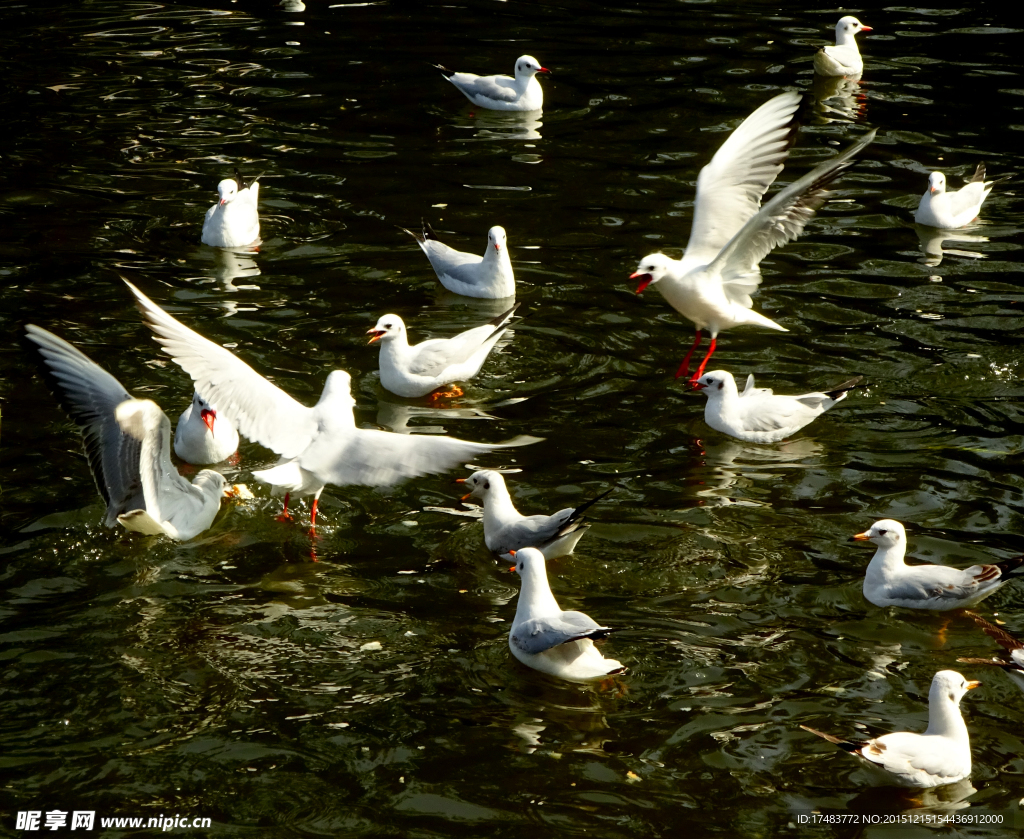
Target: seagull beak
466,497
932,190
699,386
645,280
865,28
973,685
860,537
460,480
544,70
497,247
208,417
376,333
223,201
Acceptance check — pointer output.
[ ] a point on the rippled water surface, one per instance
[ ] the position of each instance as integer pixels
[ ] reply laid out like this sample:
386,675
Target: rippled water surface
371,692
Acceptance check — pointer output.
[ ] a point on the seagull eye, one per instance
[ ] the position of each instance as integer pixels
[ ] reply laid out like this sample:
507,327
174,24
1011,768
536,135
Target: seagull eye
521,566
487,485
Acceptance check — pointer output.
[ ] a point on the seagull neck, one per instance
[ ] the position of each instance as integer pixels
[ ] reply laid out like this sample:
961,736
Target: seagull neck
498,508
844,38
945,719
886,564
535,597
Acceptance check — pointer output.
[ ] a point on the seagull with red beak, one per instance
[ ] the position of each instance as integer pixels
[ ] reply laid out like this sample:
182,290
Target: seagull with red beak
950,210
844,58
502,93
233,222
201,436
488,276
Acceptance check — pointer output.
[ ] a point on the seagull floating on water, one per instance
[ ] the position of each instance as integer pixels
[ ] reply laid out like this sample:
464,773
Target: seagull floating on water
942,755
731,232
891,582
844,58
1014,668
416,370
465,273
502,93
757,415
506,530
201,437
233,222
319,445
549,640
128,444
949,210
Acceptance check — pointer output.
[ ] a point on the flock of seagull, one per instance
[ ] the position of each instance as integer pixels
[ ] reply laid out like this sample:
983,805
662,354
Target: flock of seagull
127,440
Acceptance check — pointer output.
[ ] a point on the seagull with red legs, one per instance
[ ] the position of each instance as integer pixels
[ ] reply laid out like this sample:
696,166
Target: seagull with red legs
731,232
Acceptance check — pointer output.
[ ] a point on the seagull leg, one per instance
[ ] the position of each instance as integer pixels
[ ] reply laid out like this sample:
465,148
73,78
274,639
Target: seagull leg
285,515
450,393
703,364
312,517
684,368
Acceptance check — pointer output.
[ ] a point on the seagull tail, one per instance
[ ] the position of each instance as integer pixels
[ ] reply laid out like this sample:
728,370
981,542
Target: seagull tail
845,387
444,70
1011,567
845,745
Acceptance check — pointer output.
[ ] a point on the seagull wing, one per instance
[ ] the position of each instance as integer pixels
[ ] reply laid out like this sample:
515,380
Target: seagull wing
539,634
500,88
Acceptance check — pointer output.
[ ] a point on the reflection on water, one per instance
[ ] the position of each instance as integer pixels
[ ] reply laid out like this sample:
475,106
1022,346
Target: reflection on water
932,239
838,98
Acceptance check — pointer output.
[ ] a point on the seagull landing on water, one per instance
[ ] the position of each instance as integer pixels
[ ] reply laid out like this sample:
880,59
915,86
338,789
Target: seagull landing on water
844,58
731,232
233,222
949,210
549,640
891,582
502,93
487,276
942,755
201,437
757,415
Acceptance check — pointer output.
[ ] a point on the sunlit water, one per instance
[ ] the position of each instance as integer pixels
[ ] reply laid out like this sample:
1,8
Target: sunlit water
372,692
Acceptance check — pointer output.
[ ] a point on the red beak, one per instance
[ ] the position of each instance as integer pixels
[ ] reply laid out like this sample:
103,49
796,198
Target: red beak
208,417
932,190
546,70
645,280
865,28
497,247
376,333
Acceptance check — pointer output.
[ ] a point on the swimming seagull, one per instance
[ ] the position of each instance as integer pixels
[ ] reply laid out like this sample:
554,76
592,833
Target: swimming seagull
949,210
1014,668
549,640
201,437
731,232
844,58
488,276
759,416
233,222
506,530
502,93
890,582
416,370
319,445
127,442
942,755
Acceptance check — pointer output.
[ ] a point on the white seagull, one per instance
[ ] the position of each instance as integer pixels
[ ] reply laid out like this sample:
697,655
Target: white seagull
506,530
844,58
128,444
488,276
891,582
319,445
949,210
233,222
759,416
731,233
549,640
502,93
418,369
942,755
1014,668
200,437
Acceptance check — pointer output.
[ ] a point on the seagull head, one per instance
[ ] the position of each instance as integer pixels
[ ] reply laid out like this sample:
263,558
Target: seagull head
527,560
206,411
936,183
651,269
227,189
885,533
496,239
527,65
848,27
949,685
387,328
479,483
716,384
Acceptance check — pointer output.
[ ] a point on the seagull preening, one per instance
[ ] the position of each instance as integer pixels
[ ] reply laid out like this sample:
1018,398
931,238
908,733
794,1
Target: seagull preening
413,370
201,437
844,58
757,415
731,232
128,444
546,638
949,210
319,445
891,582
488,276
502,93
233,222
1014,668
942,755
506,530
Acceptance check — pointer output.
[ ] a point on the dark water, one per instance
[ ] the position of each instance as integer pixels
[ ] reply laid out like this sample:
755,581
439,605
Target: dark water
372,693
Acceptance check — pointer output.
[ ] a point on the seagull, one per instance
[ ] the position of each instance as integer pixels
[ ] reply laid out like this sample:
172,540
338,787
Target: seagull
317,446
731,233
506,530
942,755
1014,668
890,582
949,210
417,370
759,416
546,638
127,442
844,58
233,222
199,438
502,93
464,273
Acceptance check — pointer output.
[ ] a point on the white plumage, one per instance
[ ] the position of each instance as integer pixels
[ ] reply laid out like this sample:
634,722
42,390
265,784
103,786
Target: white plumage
502,93
487,276
234,221
844,58
202,436
949,210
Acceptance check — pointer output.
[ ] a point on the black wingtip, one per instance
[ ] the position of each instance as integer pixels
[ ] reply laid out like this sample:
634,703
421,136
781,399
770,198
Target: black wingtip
444,70
845,387
1011,567
428,231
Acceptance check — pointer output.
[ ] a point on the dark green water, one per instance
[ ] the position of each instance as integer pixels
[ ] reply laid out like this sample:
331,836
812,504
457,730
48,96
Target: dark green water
372,693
